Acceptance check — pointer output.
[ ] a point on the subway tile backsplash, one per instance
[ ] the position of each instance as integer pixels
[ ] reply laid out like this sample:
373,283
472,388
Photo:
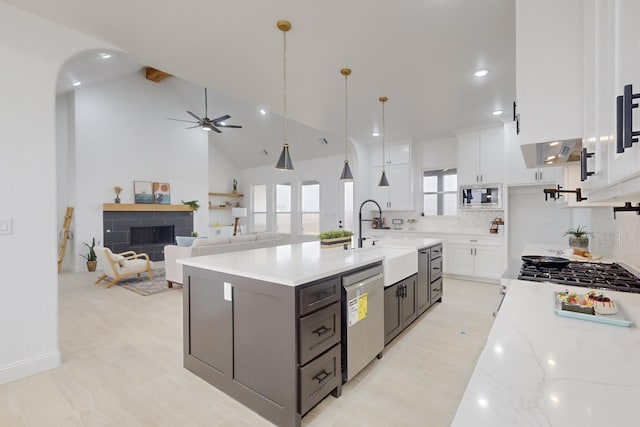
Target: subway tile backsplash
464,222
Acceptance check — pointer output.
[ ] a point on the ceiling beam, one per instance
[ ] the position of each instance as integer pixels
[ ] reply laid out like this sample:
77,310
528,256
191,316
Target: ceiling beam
156,75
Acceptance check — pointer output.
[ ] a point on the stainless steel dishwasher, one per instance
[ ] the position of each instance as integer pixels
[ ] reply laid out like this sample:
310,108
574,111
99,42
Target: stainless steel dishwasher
363,325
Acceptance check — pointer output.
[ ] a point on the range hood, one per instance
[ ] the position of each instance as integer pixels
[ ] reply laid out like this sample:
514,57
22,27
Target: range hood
552,153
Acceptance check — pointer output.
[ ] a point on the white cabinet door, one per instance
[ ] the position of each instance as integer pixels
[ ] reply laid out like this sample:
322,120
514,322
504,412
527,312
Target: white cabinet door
549,69
375,156
491,156
399,153
488,262
460,259
400,194
468,143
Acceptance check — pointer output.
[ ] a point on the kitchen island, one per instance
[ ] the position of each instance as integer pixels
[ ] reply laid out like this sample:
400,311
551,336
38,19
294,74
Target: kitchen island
265,326
542,369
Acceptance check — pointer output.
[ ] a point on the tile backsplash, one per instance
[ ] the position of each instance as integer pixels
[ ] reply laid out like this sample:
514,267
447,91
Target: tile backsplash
466,221
617,239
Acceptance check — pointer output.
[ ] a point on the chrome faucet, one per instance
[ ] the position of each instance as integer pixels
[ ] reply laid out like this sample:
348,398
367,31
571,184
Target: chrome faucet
360,238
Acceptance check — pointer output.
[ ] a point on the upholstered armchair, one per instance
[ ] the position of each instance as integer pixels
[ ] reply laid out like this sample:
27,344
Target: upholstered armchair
122,265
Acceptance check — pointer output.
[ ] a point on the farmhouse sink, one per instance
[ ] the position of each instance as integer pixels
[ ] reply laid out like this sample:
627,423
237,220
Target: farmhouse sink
398,263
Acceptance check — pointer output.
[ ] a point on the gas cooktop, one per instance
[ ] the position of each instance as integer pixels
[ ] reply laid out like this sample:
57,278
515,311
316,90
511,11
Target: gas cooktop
590,275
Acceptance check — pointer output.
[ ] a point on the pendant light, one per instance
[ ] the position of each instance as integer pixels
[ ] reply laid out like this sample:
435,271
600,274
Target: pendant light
383,178
346,170
284,162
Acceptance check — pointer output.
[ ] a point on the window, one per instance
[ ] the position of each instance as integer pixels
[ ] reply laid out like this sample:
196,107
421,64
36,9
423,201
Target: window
348,205
440,188
310,210
259,203
283,208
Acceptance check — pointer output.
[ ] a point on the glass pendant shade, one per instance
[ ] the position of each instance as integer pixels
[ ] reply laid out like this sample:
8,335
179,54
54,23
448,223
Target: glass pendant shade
383,180
346,172
284,162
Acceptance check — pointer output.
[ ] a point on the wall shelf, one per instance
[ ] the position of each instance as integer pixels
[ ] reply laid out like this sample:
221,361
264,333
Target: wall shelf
227,194
220,207
130,207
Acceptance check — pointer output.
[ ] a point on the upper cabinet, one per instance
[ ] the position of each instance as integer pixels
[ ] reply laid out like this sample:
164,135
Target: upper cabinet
480,156
549,70
398,195
612,61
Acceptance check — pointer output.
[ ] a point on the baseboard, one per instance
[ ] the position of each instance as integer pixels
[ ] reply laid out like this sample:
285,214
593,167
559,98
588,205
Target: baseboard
30,366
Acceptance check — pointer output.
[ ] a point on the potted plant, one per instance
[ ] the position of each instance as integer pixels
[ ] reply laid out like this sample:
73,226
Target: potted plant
333,238
91,256
118,190
578,237
193,203
235,186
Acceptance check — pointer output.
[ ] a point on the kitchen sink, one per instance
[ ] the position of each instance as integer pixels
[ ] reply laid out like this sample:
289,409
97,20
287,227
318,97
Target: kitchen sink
398,263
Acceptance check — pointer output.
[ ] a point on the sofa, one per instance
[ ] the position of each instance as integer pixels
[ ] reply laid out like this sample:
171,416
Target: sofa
217,245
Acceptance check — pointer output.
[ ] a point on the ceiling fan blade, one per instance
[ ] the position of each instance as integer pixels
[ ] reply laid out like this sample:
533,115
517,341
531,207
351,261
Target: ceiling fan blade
230,126
221,118
180,120
215,129
193,115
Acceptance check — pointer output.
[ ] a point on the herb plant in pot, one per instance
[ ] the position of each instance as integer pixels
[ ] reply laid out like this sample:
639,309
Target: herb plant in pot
334,238
578,237
91,255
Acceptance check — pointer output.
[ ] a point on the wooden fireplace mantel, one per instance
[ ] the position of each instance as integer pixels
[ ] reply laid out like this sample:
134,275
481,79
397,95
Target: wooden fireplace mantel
128,207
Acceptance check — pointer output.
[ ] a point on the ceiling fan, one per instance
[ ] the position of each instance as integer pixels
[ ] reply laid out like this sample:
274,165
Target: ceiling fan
205,122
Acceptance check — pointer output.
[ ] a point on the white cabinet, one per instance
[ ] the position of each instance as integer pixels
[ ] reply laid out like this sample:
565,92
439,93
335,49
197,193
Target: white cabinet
394,153
517,172
612,60
480,156
398,195
478,257
549,69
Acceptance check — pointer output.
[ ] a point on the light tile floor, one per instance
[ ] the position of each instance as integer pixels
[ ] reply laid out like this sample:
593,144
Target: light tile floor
122,366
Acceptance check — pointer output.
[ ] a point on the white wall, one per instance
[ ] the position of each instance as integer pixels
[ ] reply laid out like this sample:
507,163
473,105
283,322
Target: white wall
122,134
32,52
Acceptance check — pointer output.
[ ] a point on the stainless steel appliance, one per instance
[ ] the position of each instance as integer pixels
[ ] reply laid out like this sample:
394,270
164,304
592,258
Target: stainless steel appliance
481,197
363,326
611,276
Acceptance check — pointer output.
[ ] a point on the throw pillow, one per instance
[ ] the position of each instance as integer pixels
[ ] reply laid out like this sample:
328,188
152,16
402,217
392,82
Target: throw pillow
119,259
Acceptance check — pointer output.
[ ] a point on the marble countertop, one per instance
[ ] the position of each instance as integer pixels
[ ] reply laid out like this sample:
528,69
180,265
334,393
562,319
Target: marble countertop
300,263
541,369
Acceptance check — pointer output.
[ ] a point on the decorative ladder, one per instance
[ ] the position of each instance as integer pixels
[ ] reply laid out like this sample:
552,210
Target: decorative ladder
65,236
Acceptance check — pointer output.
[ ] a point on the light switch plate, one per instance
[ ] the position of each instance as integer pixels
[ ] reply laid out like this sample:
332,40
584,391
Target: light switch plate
5,226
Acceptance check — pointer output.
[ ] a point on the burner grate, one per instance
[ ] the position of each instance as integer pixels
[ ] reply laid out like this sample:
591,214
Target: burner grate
601,276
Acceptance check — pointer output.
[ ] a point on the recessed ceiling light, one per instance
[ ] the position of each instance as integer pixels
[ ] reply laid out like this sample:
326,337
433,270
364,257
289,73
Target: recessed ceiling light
105,55
481,73
76,83
553,144
263,112
497,112
375,134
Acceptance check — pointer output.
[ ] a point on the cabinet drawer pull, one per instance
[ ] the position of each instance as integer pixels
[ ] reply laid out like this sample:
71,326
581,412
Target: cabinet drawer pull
321,376
436,268
321,330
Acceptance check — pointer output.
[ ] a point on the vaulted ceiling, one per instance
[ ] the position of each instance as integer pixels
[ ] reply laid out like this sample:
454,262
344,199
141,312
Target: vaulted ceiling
420,53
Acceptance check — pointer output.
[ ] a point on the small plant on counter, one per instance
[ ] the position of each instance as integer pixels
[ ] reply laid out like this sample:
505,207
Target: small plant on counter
194,234
578,237
193,203
334,234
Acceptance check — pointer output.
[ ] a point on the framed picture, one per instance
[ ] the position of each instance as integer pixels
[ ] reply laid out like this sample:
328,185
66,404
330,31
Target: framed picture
162,193
143,192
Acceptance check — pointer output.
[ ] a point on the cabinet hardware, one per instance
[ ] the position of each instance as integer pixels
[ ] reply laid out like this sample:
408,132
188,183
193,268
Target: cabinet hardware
322,376
536,176
624,119
584,173
321,330
540,175
626,208
516,118
480,177
436,268
473,240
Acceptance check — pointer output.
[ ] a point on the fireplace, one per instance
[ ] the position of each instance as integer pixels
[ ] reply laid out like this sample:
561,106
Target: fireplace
152,235
144,231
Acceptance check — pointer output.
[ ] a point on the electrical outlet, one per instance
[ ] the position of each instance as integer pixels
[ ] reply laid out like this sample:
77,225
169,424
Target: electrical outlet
6,226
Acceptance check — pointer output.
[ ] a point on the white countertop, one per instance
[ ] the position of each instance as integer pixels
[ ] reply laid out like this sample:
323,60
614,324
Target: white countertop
299,263
410,242
541,369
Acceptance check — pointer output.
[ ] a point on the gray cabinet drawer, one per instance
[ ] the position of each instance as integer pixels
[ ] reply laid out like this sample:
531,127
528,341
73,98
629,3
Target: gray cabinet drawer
436,290
318,295
318,378
436,268
319,331
436,251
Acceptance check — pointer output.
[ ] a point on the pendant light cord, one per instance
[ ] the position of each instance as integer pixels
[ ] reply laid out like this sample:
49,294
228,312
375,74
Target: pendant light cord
382,136
284,80
345,119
